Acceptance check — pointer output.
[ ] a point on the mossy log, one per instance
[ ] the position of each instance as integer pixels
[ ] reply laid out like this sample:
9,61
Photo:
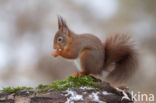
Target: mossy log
84,89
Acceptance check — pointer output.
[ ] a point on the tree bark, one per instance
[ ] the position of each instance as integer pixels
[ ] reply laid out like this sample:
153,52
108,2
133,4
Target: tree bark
103,94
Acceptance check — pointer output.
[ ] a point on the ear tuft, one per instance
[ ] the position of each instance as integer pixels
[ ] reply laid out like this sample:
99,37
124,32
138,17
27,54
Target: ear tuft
61,23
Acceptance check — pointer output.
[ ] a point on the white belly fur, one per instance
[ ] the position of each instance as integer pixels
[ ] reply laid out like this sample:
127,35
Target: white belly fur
78,64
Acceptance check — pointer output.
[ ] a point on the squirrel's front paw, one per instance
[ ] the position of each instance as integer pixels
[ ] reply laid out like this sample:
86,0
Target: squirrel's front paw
54,54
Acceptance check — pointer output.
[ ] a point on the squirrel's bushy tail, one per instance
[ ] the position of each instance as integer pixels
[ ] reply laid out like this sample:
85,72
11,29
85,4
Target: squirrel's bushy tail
120,50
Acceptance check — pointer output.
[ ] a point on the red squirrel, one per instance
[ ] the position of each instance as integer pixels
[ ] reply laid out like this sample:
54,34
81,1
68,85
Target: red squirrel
91,56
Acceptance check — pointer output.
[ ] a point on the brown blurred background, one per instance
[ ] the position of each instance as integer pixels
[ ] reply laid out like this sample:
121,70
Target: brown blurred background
27,29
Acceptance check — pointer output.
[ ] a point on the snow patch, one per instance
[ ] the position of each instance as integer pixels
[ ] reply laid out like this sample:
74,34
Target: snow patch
106,93
87,88
94,96
74,96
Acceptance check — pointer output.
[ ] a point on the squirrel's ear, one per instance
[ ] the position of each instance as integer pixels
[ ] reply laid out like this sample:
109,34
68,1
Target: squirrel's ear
61,23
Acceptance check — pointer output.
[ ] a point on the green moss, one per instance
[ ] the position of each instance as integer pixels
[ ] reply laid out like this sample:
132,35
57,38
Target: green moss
15,89
41,86
69,82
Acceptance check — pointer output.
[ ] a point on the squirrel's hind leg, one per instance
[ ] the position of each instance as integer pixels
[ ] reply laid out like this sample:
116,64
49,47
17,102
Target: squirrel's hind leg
90,62
78,74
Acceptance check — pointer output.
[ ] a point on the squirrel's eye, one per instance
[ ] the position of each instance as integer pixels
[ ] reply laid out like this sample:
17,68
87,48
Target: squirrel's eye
59,39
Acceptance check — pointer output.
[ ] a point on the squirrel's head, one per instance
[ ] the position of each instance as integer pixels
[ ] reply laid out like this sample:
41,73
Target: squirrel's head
62,37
